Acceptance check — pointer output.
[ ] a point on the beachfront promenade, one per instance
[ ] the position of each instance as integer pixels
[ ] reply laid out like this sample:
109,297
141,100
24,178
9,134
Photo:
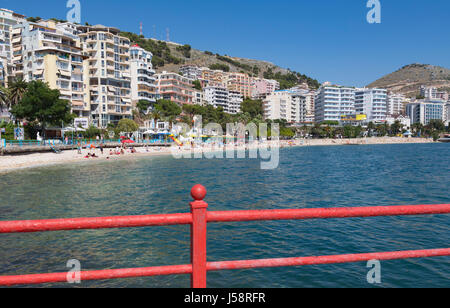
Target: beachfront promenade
33,146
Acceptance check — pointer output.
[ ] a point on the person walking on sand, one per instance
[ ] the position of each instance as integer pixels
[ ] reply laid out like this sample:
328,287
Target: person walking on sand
101,148
79,147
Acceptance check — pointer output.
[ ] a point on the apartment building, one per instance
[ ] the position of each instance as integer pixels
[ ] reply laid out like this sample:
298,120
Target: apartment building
199,98
8,19
432,93
143,81
372,103
425,111
108,75
262,87
285,105
213,77
174,87
396,104
52,52
332,102
240,82
219,96
191,72
310,97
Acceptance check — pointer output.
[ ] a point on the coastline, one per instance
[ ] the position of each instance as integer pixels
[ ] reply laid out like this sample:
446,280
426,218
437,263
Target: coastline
16,162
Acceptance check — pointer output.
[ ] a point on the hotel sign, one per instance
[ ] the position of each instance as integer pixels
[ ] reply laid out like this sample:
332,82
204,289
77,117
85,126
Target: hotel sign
353,118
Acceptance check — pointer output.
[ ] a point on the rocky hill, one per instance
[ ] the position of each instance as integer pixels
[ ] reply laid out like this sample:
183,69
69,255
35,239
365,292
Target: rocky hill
170,56
408,79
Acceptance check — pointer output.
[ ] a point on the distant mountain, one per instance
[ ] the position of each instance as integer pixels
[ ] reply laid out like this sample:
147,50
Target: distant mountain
409,78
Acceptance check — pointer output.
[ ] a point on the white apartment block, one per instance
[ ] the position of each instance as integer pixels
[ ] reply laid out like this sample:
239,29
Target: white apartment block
310,97
432,93
425,111
143,81
107,74
218,96
334,101
191,71
372,103
285,105
8,19
52,52
396,104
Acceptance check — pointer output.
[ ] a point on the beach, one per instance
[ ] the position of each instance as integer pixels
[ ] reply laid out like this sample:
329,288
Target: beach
15,162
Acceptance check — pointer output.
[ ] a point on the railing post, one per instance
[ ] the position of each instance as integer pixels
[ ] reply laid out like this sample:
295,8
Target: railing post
198,237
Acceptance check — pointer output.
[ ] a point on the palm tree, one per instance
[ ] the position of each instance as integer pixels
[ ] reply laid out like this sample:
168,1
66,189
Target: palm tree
17,89
156,115
4,98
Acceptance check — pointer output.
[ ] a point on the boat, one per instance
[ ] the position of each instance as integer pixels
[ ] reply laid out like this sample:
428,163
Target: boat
445,139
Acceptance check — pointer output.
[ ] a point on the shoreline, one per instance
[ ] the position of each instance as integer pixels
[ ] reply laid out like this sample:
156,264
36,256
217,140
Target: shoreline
11,163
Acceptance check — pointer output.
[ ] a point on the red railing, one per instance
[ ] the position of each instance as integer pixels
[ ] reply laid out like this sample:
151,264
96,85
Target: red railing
198,220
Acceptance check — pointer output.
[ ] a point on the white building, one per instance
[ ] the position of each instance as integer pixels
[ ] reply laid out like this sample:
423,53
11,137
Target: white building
404,121
310,97
143,82
432,93
218,96
396,104
107,74
372,103
191,71
425,111
8,19
52,52
285,105
334,101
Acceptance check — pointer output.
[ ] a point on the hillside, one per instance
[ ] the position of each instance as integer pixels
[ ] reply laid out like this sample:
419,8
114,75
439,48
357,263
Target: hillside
170,56
408,79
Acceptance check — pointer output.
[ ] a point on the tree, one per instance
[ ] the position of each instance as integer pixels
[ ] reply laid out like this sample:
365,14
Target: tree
197,85
127,126
168,108
396,128
143,106
4,98
16,91
253,107
42,104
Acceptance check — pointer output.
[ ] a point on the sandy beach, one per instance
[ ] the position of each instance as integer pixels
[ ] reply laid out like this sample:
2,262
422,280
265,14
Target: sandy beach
15,162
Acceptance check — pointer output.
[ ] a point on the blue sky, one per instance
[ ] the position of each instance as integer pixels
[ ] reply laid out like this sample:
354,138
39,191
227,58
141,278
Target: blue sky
326,39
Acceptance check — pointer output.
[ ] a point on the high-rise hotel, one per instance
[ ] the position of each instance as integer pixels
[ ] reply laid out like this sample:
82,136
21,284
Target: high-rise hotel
108,76
332,102
143,81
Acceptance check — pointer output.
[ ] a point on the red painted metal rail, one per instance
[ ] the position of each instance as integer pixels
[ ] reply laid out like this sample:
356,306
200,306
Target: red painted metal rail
198,220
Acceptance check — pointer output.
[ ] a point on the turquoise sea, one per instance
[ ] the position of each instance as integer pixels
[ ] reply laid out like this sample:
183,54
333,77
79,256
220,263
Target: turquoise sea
307,178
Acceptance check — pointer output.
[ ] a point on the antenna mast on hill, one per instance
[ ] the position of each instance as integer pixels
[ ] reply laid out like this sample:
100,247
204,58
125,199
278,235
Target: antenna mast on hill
168,35
140,28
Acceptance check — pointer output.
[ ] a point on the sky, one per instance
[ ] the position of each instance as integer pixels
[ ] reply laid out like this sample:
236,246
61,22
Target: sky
329,40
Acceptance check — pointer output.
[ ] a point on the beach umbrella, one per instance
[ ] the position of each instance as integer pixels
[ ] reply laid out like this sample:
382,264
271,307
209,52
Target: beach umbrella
127,141
90,146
